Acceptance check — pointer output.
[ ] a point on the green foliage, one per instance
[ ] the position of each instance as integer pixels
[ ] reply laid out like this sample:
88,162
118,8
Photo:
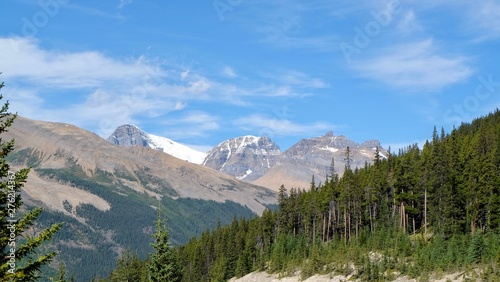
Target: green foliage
163,264
415,213
67,206
61,276
218,272
130,268
129,221
25,156
476,249
19,258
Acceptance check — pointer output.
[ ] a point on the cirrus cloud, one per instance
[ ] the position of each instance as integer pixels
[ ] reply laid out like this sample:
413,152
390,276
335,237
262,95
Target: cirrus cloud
265,125
418,65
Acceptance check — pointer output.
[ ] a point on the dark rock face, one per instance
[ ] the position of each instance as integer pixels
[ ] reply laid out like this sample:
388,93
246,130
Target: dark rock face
246,158
129,135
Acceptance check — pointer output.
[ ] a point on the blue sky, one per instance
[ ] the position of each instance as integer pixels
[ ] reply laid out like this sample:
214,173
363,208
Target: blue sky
200,72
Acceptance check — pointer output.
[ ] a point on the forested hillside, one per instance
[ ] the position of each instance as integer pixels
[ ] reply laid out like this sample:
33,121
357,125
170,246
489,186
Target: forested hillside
418,211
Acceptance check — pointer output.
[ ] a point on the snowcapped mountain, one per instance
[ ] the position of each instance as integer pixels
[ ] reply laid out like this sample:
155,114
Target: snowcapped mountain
246,157
131,135
259,160
296,166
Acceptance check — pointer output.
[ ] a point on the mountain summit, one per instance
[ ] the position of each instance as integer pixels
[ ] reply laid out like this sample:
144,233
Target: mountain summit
259,160
296,166
246,157
130,135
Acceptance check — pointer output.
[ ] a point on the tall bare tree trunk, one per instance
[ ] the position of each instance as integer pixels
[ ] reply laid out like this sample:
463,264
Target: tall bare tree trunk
345,225
425,214
324,228
329,223
314,230
371,219
349,224
413,219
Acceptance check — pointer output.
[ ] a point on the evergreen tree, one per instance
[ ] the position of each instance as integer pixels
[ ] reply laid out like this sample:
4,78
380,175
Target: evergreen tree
163,264
130,268
18,252
218,271
376,159
283,212
61,275
476,248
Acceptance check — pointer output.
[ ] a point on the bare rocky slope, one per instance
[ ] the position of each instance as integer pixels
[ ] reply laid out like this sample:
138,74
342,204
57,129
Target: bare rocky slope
332,277
246,158
313,157
53,144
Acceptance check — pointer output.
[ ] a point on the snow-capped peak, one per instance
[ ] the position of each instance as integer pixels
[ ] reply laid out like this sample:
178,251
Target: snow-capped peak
132,135
176,149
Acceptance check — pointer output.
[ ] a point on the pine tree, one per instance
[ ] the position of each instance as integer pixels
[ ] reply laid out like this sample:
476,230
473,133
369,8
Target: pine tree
18,262
61,275
163,264
130,268
283,212
476,248
376,159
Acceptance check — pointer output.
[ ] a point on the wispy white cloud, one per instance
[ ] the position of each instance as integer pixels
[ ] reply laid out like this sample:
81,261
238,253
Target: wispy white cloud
229,72
184,74
418,65
107,92
283,24
409,23
124,3
93,11
297,79
265,125
24,59
478,20
485,17
192,124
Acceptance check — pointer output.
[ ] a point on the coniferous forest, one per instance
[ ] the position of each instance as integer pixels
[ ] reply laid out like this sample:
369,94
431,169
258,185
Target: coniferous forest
417,212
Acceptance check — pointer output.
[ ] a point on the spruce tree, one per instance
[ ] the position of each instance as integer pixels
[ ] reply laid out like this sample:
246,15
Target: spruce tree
163,264
130,268
19,260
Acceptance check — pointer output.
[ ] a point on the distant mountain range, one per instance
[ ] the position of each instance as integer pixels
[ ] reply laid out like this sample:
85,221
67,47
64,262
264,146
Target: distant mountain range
260,161
108,195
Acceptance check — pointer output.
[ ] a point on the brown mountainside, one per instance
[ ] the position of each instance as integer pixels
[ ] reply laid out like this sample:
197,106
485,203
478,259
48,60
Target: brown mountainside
58,145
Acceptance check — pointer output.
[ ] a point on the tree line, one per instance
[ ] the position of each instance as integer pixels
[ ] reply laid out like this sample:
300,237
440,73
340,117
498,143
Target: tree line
406,207
413,212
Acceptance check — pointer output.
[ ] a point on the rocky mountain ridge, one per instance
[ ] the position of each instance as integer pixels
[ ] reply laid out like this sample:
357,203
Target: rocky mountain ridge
313,157
246,158
130,135
260,161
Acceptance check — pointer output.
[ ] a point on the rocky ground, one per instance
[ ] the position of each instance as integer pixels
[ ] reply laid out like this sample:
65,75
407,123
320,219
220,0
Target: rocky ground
266,277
